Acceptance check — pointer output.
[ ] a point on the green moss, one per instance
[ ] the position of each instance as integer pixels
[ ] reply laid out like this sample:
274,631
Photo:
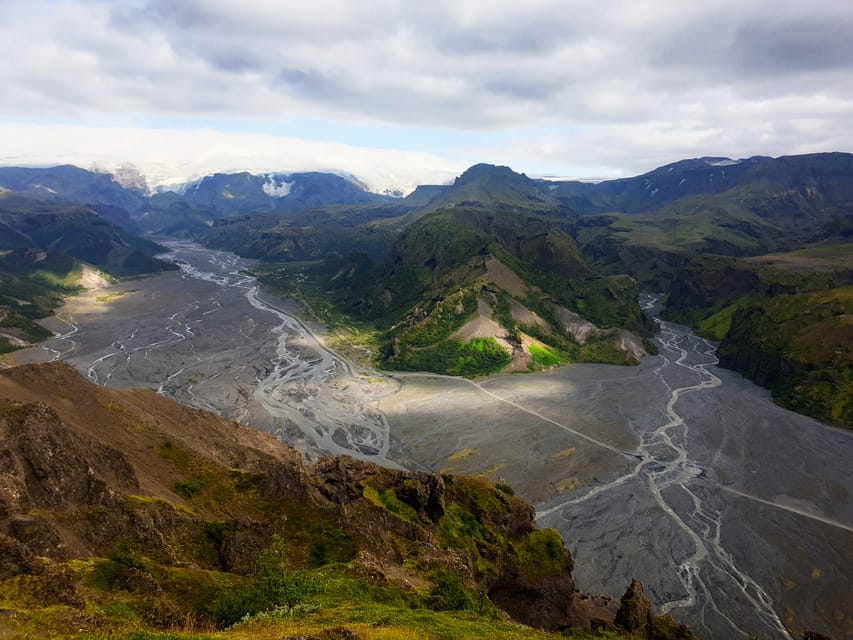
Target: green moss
459,526
542,554
333,546
387,499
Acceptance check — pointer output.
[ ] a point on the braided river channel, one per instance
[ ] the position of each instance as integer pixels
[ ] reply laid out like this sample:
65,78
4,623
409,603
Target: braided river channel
736,514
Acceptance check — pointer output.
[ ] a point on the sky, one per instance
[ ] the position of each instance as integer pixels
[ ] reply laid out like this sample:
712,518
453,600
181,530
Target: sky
400,93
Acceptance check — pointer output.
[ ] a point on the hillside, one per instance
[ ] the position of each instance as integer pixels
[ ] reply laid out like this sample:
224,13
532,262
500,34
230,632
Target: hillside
476,277
66,184
783,320
48,251
492,187
516,280
776,239
32,284
122,511
76,231
310,235
473,290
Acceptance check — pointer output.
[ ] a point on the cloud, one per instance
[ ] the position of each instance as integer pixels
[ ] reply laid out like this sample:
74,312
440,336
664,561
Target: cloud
169,157
751,72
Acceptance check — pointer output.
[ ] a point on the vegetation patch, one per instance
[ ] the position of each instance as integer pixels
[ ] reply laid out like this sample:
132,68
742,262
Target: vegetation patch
206,486
480,356
462,454
542,357
387,499
451,594
459,526
542,554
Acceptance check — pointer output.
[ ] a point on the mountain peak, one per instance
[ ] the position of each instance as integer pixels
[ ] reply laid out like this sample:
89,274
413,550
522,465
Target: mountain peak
484,171
493,186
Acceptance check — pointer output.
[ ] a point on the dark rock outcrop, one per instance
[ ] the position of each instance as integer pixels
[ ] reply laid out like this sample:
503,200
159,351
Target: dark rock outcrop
637,617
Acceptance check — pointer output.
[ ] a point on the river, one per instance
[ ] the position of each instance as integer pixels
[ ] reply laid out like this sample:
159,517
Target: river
736,514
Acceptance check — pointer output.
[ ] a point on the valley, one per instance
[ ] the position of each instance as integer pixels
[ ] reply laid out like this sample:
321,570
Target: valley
647,471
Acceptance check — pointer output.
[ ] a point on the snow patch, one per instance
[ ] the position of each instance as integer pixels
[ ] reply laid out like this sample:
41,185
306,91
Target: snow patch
274,189
726,162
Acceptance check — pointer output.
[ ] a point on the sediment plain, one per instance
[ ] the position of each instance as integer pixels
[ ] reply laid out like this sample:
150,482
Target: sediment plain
738,515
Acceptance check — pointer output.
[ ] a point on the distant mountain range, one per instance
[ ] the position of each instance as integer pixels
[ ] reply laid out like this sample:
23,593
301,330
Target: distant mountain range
221,195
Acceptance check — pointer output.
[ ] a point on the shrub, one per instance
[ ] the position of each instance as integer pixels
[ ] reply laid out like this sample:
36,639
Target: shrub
450,594
276,584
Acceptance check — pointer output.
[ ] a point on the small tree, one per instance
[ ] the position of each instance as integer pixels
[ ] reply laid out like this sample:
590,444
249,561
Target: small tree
278,583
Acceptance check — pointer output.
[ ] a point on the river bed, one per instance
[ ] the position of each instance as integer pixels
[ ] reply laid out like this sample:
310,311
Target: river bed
736,514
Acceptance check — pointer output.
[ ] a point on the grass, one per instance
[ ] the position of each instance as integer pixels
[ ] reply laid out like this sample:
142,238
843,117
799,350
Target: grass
542,357
542,554
115,295
480,356
277,602
387,499
210,488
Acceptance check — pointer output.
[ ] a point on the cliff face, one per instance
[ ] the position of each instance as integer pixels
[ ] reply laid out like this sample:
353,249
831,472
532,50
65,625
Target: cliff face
783,320
800,346
156,487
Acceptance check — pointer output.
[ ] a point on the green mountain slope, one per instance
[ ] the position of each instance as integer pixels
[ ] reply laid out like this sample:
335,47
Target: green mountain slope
827,173
697,249
493,187
473,290
32,283
75,231
782,319
44,250
800,346
312,234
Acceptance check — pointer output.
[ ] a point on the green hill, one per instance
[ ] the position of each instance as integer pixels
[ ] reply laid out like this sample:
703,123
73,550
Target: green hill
472,290
736,262
44,250
493,187
75,231
781,319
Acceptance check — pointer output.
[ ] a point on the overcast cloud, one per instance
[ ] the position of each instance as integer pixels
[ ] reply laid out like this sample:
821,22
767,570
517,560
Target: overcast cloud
605,87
